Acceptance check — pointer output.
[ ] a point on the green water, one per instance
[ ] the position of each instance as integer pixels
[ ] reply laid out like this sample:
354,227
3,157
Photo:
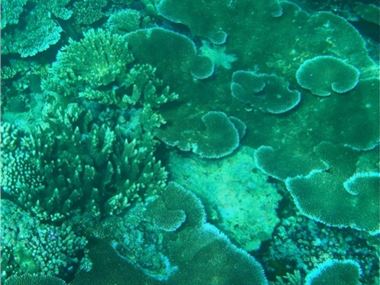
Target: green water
193,142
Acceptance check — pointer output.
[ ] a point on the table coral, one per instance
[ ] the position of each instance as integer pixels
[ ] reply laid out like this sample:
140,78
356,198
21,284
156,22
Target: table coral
34,280
209,248
38,30
187,249
235,194
124,21
267,92
340,272
323,74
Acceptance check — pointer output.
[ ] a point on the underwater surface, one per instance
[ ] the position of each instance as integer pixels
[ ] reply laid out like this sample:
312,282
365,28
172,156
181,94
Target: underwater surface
190,142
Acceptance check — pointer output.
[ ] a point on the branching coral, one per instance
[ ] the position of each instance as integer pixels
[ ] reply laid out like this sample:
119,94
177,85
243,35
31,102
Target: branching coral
339,189
10,11
99,68
82,170
30,246
38,29
99,59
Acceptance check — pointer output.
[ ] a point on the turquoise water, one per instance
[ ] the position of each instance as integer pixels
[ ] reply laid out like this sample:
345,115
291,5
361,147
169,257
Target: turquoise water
190,142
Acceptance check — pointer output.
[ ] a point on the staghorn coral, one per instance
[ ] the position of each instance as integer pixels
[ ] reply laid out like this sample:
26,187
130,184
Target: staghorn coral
289,279
339,189
189,246
82,170
99,68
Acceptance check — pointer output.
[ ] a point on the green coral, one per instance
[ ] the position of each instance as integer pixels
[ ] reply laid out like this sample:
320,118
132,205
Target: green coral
10,11
323,74
220,137
322,194
199,245
30,246
58,8
99,68
82,169
136,239
368,12
86,12
109,268
203,67
37,35
339,272
124,21
20,86
189,246
37,30
263,91
237,197
28,279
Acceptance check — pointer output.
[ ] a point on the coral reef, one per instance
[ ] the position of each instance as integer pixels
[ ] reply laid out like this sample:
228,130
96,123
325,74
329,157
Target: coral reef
322,74
335,272
237,197
124,21
301,243
189,247
189,142
28,279
30,246
267,92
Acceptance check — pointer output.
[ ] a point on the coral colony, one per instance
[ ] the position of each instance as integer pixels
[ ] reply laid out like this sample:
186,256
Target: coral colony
190,142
